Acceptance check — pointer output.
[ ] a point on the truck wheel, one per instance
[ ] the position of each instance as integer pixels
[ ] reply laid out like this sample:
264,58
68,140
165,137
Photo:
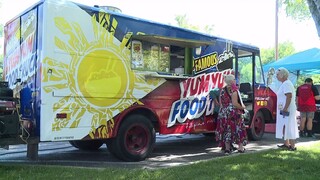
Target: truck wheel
73,144
3,128
135,139
110,147
209,134
87,144
256,131
6,92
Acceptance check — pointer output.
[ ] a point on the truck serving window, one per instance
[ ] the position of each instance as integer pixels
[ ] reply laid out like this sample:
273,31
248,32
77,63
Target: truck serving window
163,54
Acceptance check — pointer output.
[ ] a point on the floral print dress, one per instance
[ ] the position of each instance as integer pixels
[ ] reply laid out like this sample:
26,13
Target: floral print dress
230,122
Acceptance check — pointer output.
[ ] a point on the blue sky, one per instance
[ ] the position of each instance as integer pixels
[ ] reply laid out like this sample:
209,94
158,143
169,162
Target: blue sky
247,21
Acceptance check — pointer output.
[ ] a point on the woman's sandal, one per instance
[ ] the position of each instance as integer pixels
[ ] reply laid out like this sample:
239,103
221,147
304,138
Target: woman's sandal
283,146
292,148
233,148
227,152
241,151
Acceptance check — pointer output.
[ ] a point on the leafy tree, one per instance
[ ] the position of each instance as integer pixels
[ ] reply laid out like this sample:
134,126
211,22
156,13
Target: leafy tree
1,65
297,9
302,9
183,22
285,49
209,29
267,55
246,72
1,25
302,77
1,30
1,53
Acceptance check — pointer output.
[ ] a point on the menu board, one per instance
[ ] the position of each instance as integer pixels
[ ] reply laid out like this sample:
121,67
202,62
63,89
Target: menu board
137,56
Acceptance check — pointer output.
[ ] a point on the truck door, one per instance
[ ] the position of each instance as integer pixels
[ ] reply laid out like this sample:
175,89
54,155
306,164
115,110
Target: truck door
244,77
20,60
251,86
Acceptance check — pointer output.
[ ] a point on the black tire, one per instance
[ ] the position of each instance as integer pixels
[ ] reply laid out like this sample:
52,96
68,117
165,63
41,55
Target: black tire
6,92
73,144
3,128
110,147
209,134
135,139
87,144
256,130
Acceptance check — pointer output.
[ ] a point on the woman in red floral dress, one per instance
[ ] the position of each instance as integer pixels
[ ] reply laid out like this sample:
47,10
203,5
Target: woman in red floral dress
230,122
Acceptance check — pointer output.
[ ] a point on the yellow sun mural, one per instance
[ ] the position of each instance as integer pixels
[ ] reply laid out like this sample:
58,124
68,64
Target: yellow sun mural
98,76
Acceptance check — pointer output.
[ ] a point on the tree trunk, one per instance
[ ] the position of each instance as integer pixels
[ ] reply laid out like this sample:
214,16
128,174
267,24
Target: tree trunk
314,7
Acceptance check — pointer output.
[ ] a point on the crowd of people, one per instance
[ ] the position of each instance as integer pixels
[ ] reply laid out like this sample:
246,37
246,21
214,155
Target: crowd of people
229,110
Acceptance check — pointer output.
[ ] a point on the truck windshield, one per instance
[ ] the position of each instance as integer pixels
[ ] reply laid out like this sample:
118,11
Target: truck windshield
258,69
246,67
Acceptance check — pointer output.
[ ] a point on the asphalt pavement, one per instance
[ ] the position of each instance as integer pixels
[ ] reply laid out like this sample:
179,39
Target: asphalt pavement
170,150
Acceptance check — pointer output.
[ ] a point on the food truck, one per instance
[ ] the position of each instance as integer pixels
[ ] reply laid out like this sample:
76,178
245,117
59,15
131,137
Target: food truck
92,76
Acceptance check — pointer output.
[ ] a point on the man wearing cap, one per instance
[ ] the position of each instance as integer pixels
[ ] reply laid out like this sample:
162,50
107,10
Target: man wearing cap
307,94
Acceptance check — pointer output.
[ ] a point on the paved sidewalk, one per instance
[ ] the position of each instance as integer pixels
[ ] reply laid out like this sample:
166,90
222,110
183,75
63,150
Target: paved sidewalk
170,150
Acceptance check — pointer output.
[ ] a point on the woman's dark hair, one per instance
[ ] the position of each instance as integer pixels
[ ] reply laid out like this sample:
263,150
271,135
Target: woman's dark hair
308,80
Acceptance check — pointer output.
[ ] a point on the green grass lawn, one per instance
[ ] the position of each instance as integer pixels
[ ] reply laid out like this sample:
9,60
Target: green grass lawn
270,164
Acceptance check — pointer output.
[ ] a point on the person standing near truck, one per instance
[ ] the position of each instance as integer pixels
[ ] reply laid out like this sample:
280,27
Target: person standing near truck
230,122
286,124
307,94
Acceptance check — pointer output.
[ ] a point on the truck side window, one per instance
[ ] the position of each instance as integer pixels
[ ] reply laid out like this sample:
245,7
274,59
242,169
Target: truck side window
150,56
177,59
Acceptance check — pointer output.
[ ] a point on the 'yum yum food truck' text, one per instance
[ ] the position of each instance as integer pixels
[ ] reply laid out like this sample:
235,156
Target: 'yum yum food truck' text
194,101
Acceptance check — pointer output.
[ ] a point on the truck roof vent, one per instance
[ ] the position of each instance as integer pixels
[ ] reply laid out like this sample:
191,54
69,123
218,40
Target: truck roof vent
109,8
